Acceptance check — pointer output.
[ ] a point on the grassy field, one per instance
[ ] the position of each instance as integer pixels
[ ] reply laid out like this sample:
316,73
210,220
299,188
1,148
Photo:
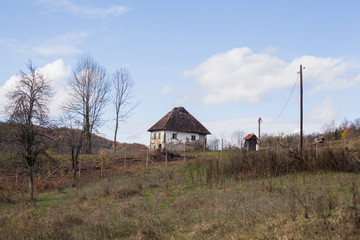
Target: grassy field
181,201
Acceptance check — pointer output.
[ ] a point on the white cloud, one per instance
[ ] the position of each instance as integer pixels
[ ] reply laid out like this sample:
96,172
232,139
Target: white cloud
8,86
94,12
241,75
57,72
269,50
56,49
13,44
65,44
61,45
165,90
324,113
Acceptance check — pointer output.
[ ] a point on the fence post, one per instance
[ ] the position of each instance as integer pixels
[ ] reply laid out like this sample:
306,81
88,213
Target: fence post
166,156
17,176
184,151
125,161
101,167
222,145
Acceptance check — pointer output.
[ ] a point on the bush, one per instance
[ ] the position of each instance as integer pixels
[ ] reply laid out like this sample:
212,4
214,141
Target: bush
271,163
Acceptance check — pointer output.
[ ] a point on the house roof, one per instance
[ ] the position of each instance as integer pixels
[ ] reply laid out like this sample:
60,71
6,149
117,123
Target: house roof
249,136
178,119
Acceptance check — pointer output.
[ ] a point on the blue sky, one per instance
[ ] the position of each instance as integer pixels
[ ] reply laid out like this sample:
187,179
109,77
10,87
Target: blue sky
226,62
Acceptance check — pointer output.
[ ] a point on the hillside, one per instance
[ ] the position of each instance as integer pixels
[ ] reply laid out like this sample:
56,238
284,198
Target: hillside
275,193
61,138
179,202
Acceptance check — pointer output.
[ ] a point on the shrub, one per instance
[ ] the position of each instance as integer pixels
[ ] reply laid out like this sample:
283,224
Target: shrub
271,163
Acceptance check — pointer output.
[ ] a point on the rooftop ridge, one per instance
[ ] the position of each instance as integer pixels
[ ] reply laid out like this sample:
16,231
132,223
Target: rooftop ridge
179,119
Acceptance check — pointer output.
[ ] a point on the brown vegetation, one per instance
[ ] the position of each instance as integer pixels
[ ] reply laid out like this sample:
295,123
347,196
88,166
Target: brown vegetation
61,146
270,194
167,203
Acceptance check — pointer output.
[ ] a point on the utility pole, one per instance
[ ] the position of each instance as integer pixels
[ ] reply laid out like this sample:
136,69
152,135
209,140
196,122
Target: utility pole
301,109
259,122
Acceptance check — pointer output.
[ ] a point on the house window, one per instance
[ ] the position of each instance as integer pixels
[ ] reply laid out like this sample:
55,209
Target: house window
174,136
159,135
193,137
154,135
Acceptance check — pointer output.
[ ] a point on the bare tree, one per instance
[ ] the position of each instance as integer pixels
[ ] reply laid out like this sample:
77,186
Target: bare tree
74,138
238,138
328,130
87,90
28,112
123,86
214,143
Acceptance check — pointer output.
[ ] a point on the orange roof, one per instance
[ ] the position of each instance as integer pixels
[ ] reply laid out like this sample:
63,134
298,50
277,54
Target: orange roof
249,136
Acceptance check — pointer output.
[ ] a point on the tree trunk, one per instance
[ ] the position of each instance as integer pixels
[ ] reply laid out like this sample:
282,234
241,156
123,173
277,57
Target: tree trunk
87,132
74,161
31,183
88,150
116,129
75,171
87,140
75,151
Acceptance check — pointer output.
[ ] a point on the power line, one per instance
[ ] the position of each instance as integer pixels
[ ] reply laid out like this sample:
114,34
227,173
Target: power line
287,102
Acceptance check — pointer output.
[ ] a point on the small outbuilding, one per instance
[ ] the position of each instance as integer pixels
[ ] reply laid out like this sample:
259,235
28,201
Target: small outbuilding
320,140
176,130
250,142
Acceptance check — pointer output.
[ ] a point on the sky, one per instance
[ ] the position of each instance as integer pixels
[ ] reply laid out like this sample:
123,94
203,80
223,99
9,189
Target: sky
227,62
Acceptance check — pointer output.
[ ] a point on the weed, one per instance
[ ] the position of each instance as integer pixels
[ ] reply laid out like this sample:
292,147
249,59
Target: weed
355,200
304,200
292,203
127,192
189,201
6,196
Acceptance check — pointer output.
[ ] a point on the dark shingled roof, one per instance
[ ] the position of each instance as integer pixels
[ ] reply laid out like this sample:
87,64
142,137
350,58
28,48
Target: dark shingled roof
180,120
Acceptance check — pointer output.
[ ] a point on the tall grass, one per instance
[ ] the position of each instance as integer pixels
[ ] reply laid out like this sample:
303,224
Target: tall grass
176,203
203,199
214,168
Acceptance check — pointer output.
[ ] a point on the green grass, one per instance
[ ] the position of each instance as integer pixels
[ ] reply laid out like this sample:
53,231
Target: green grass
176,203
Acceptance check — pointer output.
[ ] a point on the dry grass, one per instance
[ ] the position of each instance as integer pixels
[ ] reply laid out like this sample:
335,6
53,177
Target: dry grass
172,203
235,195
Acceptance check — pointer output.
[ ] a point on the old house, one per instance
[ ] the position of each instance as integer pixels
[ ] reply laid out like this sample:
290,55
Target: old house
176,128
250,142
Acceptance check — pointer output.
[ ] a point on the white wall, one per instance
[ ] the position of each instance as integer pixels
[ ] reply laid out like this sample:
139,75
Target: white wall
155,141
184,137
175,144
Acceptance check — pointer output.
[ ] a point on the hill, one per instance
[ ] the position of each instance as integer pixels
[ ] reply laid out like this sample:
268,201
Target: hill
59,139
182,201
